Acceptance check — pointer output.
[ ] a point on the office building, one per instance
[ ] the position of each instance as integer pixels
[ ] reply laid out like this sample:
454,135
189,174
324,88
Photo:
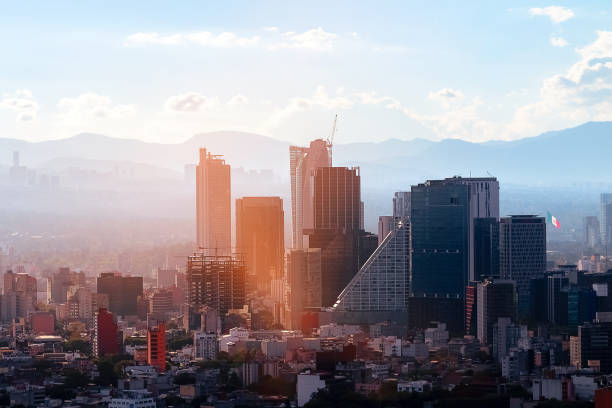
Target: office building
161,304
213,204
42,323
382,283
581,306
303,162
106,334
205,345
122,291
556,298
166,277
337,218
592,233
64,284
401,204
471,308
440,232
260,239
605,218
386,223
216,281
19,296
156,347
304,279
595,350
506,335
522,253
495,299
486,248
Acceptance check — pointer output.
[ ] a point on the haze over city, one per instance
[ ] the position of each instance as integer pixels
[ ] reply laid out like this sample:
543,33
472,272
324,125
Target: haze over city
306,204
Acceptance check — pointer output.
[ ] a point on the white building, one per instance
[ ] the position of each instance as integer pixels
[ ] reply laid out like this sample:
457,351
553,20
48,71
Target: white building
133,399
307,385
414,386
437,336
205,345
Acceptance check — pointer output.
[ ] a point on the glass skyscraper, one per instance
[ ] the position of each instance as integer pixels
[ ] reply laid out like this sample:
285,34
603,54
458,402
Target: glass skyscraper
440,215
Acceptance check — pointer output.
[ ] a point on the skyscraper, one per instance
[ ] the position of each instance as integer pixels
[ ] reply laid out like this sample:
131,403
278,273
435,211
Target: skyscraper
382,284
592,233
122,291
156,347
166,277
605,218
337,214
522,253
440,233
303,162
486,248
106,340
401,204
495,299
304,276
213,204
260,238
386,223
215,281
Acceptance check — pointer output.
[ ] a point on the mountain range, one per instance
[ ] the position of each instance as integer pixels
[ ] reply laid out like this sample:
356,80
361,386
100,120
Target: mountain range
575,155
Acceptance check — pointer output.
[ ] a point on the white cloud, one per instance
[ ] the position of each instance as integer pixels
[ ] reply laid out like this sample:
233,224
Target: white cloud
556,14
191,102
271,29
315,39
22,102
238,99
201,38
558,41
90,106
446,95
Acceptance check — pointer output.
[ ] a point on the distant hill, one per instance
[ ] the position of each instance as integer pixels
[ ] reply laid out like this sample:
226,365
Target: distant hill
579,154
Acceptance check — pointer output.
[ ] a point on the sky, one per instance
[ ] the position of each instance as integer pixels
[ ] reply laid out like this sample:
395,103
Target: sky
163,71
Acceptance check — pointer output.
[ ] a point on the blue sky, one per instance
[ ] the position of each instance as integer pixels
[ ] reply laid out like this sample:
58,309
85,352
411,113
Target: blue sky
163,71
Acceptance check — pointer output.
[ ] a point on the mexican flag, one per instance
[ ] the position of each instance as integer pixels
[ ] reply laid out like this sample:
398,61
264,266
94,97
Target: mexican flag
553,220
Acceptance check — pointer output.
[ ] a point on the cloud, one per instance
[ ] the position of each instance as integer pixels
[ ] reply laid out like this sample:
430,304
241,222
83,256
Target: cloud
271,29
22,102
201,38
446,95
558,41
190,102
90,106
556,14
315,39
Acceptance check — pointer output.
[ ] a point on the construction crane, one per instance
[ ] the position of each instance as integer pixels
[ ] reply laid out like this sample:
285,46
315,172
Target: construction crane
330,139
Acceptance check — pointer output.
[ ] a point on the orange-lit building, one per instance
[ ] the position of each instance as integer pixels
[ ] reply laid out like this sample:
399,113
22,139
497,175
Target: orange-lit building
213,204
303,162
106,334
156,347
42,323
260,238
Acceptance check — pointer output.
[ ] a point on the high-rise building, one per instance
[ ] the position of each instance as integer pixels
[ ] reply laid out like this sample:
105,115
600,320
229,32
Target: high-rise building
156,347
401,204
506,335
595,350
205,345
303,162
42,323
161,304
106,334
605,218
122,291
522,253
556,298
592,233
213,204
495,299
64,283
166,277
304,279
386,223
486,248
337,213
440,211
216,281
19,297
382,284
471,308
260,239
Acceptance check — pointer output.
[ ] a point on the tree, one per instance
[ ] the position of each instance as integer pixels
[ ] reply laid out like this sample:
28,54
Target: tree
106,374
184,378
178,343
74,378
81,346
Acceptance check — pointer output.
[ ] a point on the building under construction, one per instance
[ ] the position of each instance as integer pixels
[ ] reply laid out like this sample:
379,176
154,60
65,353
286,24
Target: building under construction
216,281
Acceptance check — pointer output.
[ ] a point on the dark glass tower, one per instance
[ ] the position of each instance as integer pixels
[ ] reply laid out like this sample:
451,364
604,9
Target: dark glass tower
522,253
337,215
440,217
486,248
